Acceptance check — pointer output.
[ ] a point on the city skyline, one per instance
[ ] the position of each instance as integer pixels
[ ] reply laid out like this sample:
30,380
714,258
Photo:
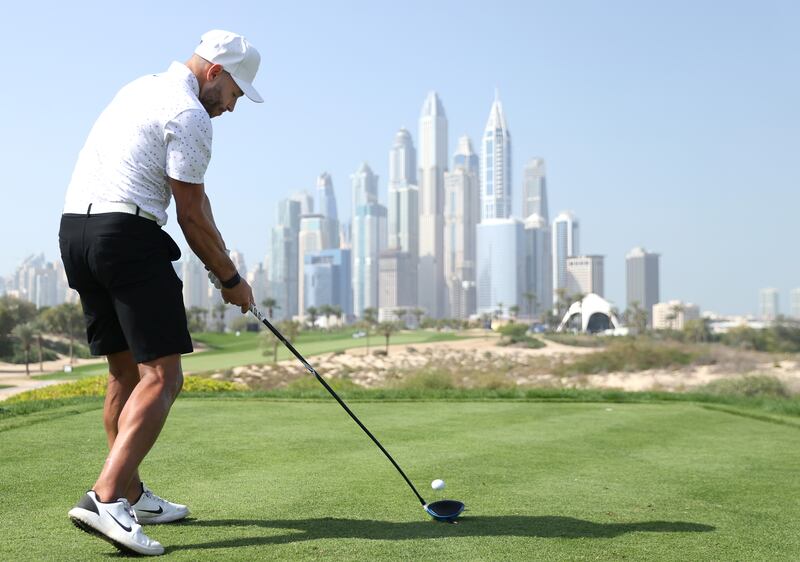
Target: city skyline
652,141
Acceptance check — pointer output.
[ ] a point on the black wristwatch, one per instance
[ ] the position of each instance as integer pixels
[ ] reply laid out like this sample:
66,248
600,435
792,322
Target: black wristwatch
232,282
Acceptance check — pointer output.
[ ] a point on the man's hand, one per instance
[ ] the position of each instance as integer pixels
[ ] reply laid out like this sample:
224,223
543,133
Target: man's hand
234,296
241,295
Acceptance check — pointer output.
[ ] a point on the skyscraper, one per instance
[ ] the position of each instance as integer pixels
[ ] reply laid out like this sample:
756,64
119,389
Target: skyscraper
394,290
326,206
306,201
461,216
642,280
794,299
769,308
432,165
328,279
499,238
403,216
538,294
496,165
565,245
283,258
500,280
585,275
313,237
534,189
368,238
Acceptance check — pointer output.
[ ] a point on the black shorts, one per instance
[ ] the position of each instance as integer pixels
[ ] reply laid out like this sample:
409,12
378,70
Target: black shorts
120,264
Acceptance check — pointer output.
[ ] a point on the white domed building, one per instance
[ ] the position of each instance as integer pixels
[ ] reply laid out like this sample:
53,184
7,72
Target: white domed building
592,314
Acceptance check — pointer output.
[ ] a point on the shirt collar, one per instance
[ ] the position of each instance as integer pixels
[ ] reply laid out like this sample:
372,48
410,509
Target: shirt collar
182,72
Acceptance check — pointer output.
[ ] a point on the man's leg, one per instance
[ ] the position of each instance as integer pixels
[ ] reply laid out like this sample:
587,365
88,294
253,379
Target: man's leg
139,421
123,378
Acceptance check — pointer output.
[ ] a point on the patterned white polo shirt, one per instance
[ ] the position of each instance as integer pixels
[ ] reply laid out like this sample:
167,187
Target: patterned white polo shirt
154,128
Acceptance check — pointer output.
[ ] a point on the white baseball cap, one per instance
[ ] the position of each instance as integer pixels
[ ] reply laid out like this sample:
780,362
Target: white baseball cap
236,55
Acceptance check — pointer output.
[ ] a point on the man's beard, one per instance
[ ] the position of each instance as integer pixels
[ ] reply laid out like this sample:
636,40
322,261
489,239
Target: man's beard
211,101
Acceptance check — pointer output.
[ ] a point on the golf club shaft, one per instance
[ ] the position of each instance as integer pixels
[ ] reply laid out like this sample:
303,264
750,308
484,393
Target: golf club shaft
311,369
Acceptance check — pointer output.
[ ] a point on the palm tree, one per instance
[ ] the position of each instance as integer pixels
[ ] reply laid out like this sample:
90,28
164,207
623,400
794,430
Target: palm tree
530,298
270,304
387,329
418,313
513,311
25,334
313,313
636,317
400,314
337,311
39,328
368,320
499,310
325,312
561,302
219,316
65,320
674,312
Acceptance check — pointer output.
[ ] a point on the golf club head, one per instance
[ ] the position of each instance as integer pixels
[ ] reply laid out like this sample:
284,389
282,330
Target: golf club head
444,510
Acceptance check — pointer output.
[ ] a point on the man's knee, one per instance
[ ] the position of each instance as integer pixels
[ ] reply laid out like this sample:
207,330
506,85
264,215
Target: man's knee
166,373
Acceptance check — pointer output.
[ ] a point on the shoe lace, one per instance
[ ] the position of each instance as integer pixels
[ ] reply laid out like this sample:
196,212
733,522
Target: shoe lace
127,506
152,496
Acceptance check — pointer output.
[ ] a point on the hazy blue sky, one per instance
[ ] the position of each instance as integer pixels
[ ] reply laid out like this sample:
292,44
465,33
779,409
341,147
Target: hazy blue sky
671,125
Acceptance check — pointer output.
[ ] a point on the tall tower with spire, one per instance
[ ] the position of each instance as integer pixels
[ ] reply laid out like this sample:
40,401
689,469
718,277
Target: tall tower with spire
326,203
496,169
500,237
432,165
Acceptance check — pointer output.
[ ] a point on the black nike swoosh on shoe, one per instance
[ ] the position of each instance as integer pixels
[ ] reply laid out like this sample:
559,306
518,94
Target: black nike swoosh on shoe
160,510
128,529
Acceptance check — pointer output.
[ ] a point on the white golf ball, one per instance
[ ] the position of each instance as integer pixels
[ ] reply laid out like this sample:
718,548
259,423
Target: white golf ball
437,484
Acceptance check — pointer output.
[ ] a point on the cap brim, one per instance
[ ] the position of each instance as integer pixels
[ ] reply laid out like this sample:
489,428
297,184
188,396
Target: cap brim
248,90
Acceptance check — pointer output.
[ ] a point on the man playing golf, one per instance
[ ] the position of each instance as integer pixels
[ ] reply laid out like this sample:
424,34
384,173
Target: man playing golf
152,142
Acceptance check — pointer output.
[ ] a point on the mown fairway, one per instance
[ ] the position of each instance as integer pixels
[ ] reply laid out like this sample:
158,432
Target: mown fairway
227,350
551,481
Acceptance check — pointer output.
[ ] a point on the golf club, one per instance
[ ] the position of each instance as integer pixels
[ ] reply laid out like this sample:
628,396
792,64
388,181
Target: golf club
444,510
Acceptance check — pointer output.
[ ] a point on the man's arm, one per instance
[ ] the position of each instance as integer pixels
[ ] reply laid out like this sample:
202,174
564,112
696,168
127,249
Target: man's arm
198,226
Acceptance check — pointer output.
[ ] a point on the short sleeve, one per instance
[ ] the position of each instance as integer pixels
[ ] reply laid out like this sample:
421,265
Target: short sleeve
188,138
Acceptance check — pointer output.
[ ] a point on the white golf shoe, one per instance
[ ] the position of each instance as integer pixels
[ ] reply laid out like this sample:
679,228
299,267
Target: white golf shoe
114,522
150,508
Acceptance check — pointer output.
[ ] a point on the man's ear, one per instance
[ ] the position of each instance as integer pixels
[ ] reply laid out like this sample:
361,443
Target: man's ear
213,71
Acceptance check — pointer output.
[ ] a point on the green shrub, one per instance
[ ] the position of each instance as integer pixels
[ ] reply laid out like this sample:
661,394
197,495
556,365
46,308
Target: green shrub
628,356
96,386
428,380
754,386
310,382
578,340
517,334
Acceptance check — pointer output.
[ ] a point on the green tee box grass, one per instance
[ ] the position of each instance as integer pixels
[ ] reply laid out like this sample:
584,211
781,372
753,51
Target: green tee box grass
288,479
227,350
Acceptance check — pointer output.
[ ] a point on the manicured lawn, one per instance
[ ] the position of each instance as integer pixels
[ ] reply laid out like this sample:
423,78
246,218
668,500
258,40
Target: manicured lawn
227,350
287,479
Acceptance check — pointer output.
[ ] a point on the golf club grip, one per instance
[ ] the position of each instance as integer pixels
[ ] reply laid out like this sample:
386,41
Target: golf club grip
311,369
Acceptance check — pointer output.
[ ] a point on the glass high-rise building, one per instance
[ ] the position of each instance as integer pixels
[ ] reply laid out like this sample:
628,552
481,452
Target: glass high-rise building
565,245
768,304
643,285
538,294
534,189
794,301
328,279
500,279
496,165
326,206
368,239
461,216
283,269
432,164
